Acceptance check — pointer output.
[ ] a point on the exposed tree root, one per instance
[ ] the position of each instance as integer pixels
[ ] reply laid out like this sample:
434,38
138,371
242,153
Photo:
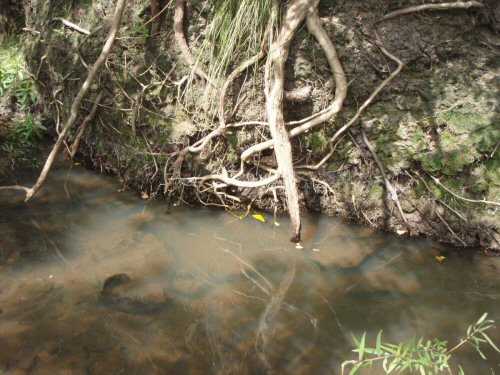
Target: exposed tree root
230,79
181,40
274,87
442,6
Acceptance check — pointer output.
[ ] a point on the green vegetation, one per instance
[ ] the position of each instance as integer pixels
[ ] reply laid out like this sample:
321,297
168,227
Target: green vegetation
236,32
17,91
13,77
422,356
30,128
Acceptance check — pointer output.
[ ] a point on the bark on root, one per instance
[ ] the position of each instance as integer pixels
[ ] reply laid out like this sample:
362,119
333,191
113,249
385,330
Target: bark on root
274,88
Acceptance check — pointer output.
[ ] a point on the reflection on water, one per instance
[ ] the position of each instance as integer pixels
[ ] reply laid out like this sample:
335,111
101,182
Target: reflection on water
202,292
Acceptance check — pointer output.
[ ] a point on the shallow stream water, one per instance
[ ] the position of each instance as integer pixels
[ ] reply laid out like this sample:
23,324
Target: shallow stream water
208,293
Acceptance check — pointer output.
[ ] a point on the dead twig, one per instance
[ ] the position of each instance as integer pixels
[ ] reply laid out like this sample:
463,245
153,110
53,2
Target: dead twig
72,26
484,201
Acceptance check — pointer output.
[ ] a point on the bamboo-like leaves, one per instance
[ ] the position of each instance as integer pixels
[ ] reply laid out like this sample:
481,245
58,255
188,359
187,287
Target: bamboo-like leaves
427,357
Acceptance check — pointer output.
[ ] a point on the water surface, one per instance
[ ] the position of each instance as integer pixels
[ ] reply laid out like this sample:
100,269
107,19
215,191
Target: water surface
212,294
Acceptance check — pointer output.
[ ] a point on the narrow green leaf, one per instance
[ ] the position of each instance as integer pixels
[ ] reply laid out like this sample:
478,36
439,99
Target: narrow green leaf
400,348
392,366
487,338
362,346
482,318
355,339
378,348
354,370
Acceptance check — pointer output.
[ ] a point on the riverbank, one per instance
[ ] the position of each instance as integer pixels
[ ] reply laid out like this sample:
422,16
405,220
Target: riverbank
434,128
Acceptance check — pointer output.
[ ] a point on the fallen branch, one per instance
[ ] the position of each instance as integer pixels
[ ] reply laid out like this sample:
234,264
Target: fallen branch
449,228
390,189
88,119
72,26
78,100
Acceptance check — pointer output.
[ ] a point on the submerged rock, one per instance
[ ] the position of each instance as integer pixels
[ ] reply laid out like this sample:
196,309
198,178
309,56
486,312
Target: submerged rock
120,293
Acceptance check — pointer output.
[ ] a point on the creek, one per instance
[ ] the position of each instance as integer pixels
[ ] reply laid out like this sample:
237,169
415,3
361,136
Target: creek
94,280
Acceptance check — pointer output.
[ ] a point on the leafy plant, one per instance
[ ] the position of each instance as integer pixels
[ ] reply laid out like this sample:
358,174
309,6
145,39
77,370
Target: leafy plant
424,356
13,77
139,29
30,128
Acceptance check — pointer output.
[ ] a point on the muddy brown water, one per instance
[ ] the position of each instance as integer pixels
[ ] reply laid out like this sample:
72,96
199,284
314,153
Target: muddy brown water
202,292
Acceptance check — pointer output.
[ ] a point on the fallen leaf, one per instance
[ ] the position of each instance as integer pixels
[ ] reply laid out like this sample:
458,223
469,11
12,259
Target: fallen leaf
440,258
259,217
400,232
276,224
315,249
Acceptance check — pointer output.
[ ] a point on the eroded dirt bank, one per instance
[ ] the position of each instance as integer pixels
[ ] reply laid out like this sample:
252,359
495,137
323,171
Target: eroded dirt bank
435,128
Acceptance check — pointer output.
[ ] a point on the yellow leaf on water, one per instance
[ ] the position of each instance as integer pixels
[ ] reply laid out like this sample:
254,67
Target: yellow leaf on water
259,217
440,258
